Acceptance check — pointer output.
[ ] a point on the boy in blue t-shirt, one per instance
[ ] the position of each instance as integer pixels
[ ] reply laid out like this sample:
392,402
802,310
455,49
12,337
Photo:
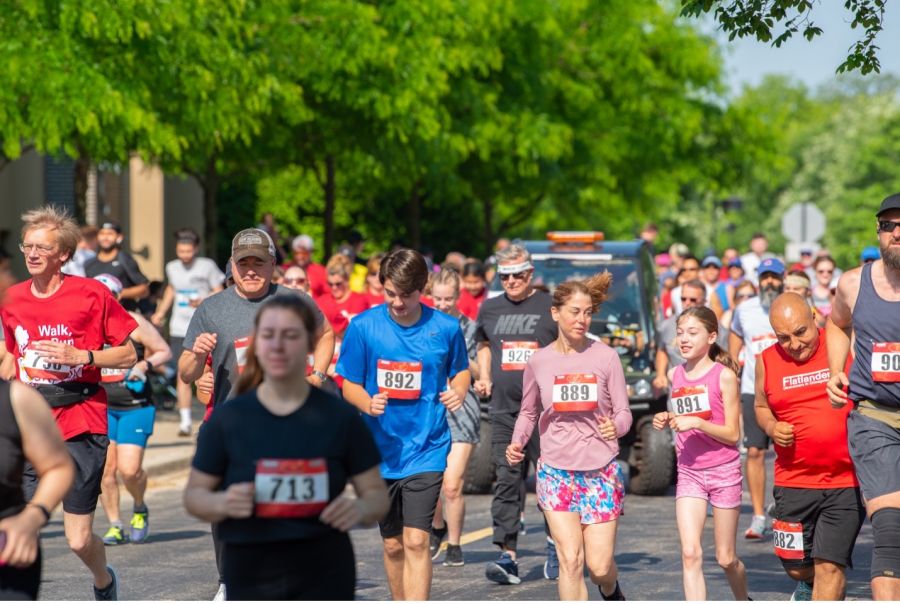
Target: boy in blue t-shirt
396,361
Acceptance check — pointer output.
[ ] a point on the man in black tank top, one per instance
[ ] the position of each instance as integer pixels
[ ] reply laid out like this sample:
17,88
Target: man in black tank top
868,303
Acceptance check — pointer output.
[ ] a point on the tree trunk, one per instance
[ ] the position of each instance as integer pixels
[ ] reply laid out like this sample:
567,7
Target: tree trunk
210,184
80,186
414,216
329,187
487,207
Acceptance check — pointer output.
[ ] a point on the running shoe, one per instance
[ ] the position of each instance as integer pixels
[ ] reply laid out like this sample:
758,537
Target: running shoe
615,595
522,530
114,536
111,591
803,592
454,556
551,564
504,571
184,431
757,528
434,541
140,526
220,595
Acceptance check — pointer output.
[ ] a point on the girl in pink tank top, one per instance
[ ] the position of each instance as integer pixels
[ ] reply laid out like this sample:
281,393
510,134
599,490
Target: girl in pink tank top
704,411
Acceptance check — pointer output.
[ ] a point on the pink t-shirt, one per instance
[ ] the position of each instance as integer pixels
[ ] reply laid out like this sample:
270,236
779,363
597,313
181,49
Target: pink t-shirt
566,395
701,397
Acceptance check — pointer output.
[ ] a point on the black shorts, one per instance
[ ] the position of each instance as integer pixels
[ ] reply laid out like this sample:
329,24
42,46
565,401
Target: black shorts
413,501
88,452
831,520
318,568
753,434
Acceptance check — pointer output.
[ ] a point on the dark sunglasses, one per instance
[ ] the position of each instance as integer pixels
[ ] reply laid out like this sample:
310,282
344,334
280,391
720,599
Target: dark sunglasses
518,276
887,226
691,300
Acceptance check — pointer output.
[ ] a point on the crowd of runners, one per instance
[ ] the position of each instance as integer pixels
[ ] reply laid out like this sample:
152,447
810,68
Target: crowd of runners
368,373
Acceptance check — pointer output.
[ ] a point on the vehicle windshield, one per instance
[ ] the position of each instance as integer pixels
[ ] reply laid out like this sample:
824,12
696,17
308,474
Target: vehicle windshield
620,321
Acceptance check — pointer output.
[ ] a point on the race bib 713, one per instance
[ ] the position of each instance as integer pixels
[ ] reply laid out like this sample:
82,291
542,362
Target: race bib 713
291,488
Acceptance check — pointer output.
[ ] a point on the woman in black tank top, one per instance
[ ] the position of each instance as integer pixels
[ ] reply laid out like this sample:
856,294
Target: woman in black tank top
27,432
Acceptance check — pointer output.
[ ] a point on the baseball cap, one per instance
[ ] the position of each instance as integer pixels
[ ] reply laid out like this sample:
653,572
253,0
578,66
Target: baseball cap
711,261
735,262
303,242
109,224
663,260
889,203
870,252
252,242
110,281
771,265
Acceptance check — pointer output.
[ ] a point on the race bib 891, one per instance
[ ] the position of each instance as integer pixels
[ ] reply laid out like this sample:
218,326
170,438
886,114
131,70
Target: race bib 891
691,400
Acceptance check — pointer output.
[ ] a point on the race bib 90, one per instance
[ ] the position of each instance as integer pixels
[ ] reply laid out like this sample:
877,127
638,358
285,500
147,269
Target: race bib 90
515,355
691,400
38,369
400,379
886,362
575,392
758,344
788,540
291,488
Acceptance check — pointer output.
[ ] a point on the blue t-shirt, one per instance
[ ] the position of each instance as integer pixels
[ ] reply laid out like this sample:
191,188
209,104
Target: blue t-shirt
412,435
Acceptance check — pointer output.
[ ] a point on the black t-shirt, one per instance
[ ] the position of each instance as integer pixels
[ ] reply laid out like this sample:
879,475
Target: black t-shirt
123,267
242,432
521,328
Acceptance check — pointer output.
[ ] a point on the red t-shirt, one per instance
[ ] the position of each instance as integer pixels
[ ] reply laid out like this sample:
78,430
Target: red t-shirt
83,313
469,304
318,280
374,299
819,458
339,313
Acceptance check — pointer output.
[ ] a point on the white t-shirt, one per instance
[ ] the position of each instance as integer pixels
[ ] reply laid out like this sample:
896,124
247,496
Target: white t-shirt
190,282
751,323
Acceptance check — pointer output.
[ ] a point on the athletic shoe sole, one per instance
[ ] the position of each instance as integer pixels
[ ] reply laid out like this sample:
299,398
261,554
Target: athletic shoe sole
454,563
495,573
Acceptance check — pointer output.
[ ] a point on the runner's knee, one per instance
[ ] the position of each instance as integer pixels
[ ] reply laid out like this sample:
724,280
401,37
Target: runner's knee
886,550
571,560
452,489
393,548
727,560
755,455
692,554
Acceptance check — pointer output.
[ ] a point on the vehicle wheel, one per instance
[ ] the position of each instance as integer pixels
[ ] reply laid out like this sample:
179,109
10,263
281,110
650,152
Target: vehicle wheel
652,460
480,471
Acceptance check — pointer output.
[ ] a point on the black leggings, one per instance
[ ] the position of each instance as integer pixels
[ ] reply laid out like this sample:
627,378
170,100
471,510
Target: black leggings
320,568
21,583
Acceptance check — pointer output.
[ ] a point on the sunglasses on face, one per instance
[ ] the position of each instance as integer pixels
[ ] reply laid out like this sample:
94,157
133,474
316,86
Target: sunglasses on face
518,276
887,226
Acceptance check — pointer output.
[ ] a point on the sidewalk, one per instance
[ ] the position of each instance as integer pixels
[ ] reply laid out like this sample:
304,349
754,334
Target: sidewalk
166,451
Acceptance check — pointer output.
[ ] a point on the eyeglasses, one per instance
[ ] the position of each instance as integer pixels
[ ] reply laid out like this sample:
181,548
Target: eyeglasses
887,226
334,284
42,250
691,300
295,281
518,276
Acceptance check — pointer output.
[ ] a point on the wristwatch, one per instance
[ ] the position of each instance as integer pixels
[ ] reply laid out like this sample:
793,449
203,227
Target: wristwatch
320,375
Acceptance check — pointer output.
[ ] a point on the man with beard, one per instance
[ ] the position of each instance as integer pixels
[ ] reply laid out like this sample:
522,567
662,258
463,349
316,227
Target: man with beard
111,260
750,328
867,306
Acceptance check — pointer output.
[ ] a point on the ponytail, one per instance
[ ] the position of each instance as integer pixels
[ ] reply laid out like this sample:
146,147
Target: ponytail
719,355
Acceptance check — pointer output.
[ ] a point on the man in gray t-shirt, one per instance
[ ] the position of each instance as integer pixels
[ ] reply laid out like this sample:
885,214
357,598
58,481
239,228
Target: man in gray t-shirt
223,323
668,354
191,279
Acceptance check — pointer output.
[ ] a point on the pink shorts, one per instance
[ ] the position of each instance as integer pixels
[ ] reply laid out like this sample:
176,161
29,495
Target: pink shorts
720,485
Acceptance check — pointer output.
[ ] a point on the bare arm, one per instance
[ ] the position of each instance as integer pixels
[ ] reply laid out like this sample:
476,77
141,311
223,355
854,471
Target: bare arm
323,352
164,305
135,292
780,432
191,362
735,344
838,329
483,384
661,380
370,506
203,501
157,350
43,446
357,396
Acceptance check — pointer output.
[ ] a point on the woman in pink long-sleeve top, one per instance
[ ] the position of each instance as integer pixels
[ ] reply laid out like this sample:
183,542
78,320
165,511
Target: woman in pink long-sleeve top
574,390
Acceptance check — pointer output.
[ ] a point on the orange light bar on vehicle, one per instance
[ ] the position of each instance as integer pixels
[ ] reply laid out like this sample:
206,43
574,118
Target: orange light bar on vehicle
574,236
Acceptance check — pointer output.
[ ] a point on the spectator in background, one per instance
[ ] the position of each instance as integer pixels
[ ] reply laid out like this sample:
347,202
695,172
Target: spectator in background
734,275
869,254
650,233
822,292
805,263
374,288
302,247
797,282
269,225
742,292
730,254
112,260
759,246
357,242
677,253
358,271
663,263
473,291
86,251
710,269
454,260
690,269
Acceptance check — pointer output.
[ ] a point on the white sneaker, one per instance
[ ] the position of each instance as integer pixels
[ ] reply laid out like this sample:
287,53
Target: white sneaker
220,595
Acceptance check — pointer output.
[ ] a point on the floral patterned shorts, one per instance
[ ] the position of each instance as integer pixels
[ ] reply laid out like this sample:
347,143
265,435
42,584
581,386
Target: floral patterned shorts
597,495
